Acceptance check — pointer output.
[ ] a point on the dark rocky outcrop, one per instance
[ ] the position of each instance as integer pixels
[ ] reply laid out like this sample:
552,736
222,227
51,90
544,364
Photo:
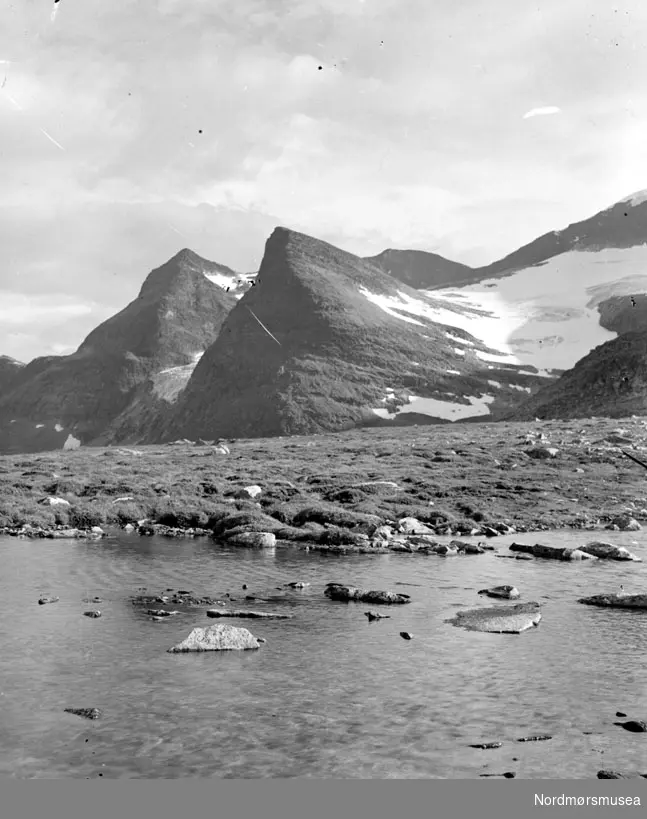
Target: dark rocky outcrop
616,601
337,591
256,615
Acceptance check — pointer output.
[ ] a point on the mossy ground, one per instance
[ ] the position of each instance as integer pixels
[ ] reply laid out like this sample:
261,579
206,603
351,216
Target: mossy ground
462,476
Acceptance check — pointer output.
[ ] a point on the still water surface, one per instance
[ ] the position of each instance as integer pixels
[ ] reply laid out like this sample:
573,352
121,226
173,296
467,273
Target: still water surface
329,695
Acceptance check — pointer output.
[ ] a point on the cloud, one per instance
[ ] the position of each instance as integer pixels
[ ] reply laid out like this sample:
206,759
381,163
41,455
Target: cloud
542,112
207,123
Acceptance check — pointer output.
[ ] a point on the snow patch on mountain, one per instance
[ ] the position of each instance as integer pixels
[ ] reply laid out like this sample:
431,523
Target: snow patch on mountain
636,198
436,408
546,315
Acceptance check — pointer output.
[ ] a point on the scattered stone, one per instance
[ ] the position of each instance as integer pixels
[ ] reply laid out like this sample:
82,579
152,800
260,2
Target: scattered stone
445,550
258,540
249,492
504,592
489,531
244,585
633,725
406,636
542,452
259,615
535,738
620,714
43,600
86,713
619,601
382,533
607,551
93,614
487,745
299,584
625,523
217,638
92,600
412,526
51,501
500,619
374,615
336,591
467,548
161,612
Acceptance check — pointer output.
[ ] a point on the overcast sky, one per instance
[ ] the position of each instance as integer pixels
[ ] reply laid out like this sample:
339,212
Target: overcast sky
131,129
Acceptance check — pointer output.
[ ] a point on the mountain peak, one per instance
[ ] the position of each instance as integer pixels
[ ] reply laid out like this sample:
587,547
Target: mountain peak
634,199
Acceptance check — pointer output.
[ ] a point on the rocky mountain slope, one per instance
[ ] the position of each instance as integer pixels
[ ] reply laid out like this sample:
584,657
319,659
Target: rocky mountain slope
177,314
610,381
422,270
327,340
10,370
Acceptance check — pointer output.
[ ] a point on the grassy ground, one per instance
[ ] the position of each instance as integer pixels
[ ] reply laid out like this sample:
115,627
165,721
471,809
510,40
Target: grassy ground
315,490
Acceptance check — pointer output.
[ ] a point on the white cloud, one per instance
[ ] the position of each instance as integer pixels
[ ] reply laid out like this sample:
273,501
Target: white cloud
542,112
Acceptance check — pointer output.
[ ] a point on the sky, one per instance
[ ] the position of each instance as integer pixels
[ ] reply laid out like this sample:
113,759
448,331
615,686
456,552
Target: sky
129,130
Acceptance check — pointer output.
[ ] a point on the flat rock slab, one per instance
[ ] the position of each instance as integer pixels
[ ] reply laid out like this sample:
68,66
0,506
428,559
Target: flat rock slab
217,638
616,601
336,591
257,615
500,619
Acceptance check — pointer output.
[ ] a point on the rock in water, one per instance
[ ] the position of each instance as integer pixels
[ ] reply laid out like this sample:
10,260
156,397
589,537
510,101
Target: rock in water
217,638
500,619
92,614
43,600
607,551
86,713
257,540
258,615
503,592
374,615
406,636
551,552
336,591
618,601
633,725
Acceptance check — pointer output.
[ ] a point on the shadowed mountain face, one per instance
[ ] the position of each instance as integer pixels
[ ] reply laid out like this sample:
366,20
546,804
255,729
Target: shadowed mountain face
610,381
175,317
310,348
422,270
10,370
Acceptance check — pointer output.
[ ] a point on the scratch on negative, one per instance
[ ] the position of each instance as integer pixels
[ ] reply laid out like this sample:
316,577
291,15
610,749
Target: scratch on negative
264,327
51,138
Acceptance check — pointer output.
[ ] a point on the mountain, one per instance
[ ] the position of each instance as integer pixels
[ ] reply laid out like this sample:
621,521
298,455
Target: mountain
421,270
610,381
175,317
548,304
9,372
326,341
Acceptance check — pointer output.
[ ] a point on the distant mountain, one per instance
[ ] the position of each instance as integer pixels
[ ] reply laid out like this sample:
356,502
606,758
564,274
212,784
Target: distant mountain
610,381
176,316
326,341
421,270
9,372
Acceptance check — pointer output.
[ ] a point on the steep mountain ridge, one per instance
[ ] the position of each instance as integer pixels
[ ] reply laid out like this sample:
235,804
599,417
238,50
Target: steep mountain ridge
176,315
314,346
